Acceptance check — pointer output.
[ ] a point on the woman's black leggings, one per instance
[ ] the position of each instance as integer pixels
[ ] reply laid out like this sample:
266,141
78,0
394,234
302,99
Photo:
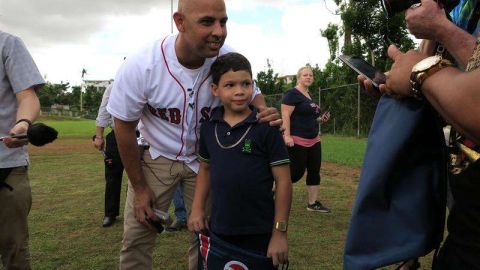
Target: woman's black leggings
309,158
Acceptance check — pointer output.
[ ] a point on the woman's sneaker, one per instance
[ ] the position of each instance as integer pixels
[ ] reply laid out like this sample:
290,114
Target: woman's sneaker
318,207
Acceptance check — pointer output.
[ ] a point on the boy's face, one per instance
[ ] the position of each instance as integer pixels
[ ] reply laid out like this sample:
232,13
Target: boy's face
235,90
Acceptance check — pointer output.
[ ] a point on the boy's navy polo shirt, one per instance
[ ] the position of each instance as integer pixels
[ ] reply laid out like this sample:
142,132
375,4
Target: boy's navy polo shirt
303,120
241,178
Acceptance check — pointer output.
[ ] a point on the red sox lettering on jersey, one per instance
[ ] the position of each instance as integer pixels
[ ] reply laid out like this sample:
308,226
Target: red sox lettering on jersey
173,115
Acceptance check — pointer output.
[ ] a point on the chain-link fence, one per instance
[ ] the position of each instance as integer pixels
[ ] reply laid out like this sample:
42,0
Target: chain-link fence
351,109
69,111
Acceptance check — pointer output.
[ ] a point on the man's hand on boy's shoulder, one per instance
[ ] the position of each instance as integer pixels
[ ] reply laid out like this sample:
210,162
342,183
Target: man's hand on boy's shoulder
269,114
278,248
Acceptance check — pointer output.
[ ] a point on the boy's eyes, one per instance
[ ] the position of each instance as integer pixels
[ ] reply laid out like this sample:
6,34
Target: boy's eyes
243,84
246,83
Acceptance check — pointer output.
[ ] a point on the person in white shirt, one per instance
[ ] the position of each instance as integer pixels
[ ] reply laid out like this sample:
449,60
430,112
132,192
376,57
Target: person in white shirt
113,163
166,86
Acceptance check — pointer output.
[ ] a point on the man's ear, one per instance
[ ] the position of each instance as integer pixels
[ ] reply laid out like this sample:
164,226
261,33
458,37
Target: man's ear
214,89
178,18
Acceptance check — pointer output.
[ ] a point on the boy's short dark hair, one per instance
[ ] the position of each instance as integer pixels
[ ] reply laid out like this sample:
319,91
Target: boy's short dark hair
230,61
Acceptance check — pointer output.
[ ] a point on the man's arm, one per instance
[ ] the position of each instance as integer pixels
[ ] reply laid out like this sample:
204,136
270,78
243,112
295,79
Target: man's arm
286,111
130,155
456,96
266,114
29,109
104,119
197,222
453,93
278,246
99,141
429,21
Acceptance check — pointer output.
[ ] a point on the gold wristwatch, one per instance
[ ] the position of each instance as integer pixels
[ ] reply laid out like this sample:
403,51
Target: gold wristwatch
424,69
281,226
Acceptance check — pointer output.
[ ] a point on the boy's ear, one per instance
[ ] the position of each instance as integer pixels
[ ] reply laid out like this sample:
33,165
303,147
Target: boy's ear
214,89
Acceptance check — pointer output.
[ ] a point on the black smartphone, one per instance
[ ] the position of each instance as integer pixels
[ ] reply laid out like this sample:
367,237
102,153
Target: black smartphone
362,67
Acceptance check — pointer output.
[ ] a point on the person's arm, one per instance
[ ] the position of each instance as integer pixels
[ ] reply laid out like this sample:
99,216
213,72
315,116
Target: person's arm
278,246
104,119
429,21
197,222
453,93
29,109
266,114
130,155
99,141
287,111
456,96
459,43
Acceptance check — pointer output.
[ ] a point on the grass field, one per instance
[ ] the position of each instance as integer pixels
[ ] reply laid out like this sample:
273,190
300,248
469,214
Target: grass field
68,185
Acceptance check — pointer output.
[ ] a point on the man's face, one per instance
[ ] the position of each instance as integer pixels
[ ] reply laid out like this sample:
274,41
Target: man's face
205,27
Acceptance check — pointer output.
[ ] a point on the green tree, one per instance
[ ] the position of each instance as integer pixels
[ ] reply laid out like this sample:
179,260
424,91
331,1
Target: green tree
92,98
268,81
331,34
52,93
367,33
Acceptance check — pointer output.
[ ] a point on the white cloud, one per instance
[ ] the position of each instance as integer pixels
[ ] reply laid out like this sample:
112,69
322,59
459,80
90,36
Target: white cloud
298,43
66,36
103,50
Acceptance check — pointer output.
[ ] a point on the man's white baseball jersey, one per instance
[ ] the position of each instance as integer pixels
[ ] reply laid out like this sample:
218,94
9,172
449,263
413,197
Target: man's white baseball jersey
170,100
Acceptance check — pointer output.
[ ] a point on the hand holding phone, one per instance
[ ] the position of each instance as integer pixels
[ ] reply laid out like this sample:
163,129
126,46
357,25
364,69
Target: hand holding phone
362,67
324,117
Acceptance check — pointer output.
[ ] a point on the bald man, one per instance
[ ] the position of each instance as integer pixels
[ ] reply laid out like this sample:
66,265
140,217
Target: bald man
166,87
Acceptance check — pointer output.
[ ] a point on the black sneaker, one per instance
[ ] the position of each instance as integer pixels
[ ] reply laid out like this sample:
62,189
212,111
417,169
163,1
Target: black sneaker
318,207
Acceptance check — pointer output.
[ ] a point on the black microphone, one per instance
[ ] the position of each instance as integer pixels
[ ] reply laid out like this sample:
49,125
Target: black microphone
37,134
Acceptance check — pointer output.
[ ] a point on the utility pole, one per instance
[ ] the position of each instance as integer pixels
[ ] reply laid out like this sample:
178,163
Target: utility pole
320,106
82,87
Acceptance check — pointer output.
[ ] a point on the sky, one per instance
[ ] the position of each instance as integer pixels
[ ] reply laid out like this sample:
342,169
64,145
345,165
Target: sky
67,36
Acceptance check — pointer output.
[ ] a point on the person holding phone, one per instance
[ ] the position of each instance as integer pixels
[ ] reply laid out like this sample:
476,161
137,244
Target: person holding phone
454,95
300,117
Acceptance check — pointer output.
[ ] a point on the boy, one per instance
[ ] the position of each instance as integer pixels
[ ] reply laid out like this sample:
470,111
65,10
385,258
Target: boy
240,159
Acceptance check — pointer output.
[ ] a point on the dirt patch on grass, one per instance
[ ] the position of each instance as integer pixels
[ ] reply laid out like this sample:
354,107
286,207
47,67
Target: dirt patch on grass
63,146
341,172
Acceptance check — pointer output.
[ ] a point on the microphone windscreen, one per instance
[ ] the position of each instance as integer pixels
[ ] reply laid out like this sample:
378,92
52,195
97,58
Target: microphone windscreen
40,134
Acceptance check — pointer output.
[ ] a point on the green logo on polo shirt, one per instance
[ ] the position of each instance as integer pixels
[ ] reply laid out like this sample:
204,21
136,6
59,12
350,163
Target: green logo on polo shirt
247,146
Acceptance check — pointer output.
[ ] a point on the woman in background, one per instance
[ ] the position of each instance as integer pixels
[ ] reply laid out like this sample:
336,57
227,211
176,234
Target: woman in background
300,117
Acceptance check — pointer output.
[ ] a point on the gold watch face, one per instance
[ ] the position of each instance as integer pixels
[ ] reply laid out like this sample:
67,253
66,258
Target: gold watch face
427,63
281,226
